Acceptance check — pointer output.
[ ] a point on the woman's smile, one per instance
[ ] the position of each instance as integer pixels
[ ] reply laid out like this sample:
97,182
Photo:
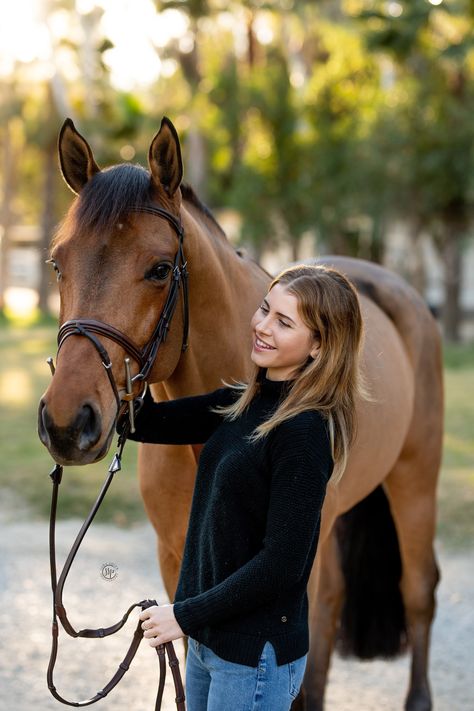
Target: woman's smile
260,345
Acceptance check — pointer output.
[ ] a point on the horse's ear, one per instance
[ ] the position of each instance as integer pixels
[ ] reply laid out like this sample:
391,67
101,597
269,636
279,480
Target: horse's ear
164,158
75,157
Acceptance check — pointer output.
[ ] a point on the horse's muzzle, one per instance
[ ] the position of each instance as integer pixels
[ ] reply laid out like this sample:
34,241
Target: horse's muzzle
74,443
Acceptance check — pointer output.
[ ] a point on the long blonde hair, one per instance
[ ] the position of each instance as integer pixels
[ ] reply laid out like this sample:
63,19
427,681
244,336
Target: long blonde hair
328,304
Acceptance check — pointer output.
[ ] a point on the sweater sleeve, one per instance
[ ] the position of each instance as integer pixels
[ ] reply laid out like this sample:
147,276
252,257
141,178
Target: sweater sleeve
185,420
301,464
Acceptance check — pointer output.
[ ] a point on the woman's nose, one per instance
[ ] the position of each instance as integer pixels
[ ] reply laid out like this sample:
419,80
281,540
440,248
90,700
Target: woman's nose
264,326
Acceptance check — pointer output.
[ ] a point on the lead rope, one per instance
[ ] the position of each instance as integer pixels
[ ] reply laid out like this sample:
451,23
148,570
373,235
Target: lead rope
59,610
81,327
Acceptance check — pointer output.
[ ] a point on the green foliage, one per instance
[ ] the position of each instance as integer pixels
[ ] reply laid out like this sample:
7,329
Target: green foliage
342,103
434,99
329,117
399,33
291,158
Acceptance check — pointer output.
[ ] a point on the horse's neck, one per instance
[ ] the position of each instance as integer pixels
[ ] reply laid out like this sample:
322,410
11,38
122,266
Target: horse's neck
225,290
221,274
206,241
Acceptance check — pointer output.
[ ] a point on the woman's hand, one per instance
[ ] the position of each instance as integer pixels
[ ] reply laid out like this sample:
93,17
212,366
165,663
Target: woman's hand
160,625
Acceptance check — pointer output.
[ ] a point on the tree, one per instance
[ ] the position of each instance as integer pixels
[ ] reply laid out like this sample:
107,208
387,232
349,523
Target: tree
342,102
434,51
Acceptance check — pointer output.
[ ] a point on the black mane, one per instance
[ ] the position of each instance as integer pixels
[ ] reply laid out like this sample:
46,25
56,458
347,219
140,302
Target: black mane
114,192
190,196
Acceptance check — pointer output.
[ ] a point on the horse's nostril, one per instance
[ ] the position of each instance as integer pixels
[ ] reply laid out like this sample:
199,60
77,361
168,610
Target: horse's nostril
43,419
88,427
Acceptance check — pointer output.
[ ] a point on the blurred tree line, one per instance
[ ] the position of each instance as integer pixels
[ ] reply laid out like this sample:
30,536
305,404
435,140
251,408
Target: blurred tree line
336,118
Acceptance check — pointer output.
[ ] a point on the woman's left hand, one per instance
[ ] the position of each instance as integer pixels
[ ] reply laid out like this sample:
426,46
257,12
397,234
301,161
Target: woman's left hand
160,625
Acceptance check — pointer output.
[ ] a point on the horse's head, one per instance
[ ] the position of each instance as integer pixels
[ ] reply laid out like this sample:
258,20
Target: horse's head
114,259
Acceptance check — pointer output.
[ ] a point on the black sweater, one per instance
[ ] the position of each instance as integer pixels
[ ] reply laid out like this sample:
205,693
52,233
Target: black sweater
254,523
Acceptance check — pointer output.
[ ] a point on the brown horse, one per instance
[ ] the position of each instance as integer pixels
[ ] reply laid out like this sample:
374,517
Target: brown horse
110,258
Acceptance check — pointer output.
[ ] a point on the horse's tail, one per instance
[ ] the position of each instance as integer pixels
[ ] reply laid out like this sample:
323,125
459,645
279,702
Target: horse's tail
373,615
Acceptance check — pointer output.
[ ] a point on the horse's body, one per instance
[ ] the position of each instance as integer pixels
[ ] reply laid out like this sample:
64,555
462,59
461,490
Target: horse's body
399,436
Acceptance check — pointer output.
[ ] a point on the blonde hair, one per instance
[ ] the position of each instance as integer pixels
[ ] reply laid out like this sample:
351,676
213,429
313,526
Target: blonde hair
328,305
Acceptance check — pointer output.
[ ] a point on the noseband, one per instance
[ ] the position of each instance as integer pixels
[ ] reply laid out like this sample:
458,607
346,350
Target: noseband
145,357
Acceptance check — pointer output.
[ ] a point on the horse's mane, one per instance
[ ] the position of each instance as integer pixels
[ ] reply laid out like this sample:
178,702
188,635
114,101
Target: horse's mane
190,196
114,192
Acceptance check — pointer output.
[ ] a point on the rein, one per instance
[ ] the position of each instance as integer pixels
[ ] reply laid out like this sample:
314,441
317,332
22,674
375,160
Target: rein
145,358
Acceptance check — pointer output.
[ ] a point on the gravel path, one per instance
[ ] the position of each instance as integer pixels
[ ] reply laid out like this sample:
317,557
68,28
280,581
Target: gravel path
84,666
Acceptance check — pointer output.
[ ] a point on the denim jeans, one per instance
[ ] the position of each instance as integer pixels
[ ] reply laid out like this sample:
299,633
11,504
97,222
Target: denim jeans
214,684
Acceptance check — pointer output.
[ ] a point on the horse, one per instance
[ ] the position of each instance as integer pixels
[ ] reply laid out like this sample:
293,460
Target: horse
372,587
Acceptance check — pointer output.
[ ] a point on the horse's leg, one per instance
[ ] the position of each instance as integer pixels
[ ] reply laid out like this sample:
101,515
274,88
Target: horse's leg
326,594
166,476
411,489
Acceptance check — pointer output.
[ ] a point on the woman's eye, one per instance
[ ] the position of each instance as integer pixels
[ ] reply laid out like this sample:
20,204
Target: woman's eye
159,272
284,324
264,309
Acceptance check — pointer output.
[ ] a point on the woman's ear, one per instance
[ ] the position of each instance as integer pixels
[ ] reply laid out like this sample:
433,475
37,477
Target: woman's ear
315,349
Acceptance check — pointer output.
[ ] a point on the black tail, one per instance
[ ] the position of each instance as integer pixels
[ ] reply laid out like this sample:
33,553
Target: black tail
373,616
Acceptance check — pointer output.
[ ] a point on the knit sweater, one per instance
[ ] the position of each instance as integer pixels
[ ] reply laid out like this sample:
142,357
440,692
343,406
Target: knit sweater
254,522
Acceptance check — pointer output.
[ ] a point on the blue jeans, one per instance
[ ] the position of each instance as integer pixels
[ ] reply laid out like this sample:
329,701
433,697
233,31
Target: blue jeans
214,684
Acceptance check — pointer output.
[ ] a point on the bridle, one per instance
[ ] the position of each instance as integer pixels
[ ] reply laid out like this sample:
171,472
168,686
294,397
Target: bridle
145,357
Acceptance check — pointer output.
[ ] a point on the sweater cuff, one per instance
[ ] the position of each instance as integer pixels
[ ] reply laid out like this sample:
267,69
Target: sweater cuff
183,616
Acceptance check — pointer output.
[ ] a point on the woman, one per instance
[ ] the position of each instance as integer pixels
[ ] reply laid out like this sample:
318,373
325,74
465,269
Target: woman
271,447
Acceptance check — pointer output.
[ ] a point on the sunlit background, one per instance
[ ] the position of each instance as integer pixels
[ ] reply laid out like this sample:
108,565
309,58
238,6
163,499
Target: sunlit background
329,127
32,32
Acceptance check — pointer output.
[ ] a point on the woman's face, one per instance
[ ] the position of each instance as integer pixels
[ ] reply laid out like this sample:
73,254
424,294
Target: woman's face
281,341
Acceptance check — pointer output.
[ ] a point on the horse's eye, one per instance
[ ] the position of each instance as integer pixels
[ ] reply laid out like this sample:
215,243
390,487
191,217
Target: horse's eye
55,267
159,272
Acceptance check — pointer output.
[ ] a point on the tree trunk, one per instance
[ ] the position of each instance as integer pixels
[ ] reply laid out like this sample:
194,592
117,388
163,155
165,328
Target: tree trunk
295,248
251,39
196,149
377,242
338,242
48,214
196,165
417,270
8,167
452,286
455,228
48,221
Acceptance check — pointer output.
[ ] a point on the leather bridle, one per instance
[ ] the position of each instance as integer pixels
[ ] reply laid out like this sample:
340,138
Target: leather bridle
145,357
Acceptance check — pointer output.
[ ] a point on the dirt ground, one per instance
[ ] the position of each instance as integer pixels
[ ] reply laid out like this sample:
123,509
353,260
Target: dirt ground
92,600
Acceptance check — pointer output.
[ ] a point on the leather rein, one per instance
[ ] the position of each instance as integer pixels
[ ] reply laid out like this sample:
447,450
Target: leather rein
145,357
